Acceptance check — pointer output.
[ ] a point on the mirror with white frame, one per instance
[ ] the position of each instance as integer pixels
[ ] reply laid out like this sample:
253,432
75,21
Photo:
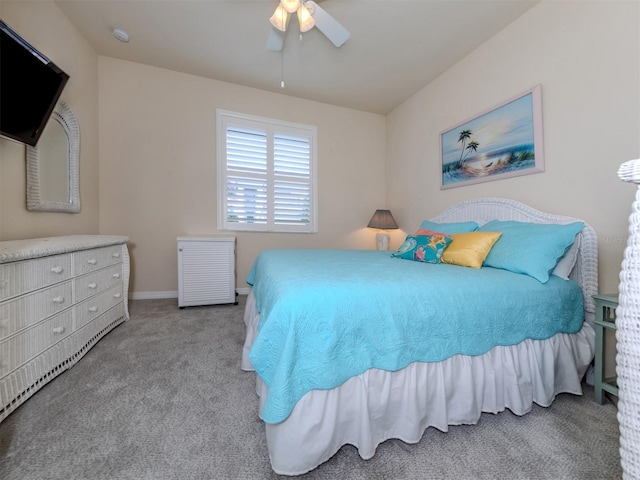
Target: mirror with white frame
53,165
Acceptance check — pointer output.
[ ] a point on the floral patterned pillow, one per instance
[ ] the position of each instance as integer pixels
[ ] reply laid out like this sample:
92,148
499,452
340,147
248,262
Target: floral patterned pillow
423,248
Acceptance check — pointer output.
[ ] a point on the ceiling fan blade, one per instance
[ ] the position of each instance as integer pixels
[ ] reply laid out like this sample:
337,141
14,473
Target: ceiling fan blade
275,40
327,24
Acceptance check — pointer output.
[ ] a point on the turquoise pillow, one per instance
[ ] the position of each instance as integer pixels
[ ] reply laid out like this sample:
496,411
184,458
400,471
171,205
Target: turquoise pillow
530,248
423,248
449,228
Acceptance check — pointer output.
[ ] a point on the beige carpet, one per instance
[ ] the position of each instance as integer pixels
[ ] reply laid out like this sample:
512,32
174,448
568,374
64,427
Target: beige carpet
163,397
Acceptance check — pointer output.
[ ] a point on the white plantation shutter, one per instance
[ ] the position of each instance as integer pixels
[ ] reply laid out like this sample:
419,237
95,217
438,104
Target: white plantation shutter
246,186
266,175
291,189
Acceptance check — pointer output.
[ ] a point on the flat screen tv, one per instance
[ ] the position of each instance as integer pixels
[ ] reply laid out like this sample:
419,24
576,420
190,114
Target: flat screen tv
30,85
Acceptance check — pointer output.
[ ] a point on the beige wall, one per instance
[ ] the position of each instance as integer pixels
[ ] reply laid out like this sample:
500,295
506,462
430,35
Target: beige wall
158,167
157,177
43,25
586,57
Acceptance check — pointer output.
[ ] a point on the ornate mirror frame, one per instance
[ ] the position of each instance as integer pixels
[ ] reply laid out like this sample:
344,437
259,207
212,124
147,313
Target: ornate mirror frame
65,117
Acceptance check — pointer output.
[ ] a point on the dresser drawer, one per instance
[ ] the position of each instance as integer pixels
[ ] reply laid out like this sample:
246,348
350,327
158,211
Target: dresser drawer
17,278
93,283
92,331
91,308
30,309
20,348
86,261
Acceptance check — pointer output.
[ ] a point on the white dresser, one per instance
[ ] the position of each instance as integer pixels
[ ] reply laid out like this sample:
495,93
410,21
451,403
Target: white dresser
58,297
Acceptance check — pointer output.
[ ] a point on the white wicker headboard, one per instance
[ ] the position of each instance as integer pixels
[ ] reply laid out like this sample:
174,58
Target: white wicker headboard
482,210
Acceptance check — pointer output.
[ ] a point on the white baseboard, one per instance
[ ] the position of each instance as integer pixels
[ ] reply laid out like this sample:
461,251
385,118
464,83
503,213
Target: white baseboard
153,295
171,294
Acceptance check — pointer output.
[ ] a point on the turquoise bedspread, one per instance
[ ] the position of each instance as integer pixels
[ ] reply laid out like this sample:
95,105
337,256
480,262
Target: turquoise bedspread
327,315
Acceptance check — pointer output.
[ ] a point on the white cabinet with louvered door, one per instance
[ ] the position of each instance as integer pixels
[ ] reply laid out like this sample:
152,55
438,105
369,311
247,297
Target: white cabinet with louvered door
206,270
58,297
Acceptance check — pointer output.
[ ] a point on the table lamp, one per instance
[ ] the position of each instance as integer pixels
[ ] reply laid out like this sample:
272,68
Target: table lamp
382,220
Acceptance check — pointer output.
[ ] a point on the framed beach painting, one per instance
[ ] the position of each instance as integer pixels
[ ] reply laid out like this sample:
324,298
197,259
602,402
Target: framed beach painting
502,142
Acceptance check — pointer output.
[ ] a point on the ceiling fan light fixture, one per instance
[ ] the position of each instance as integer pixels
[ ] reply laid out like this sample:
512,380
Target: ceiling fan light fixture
290,5
305,19
310,15
279,18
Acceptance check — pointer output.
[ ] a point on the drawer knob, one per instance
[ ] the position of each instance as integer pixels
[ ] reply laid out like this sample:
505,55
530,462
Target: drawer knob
116,255
92,261
93,309
57,269
93,285
116,295
116,275
58,299
58,329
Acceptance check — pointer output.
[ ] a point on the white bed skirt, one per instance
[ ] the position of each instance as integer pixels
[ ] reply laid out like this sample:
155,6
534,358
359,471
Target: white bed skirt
378,405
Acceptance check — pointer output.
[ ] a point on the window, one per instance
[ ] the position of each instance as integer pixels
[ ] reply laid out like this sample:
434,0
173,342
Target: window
266,175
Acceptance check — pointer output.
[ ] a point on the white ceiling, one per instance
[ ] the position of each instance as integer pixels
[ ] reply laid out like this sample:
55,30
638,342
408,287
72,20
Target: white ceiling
396,46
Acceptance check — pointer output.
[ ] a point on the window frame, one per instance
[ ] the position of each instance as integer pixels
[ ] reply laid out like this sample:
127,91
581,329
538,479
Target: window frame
271,127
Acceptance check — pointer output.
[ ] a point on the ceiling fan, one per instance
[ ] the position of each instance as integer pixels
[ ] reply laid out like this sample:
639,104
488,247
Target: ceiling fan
309,15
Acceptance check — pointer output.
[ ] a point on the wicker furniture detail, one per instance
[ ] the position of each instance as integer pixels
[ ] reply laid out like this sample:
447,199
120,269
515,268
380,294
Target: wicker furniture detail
628,335
58,297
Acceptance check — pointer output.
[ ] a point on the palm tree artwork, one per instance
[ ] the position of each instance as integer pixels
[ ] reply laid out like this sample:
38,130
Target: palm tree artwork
502,142
466,149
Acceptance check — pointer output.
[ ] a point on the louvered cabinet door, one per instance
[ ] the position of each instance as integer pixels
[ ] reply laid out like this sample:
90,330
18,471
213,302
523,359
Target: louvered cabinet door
206,271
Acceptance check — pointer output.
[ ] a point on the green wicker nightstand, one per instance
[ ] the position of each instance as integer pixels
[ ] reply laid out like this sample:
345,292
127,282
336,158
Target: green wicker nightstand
606,305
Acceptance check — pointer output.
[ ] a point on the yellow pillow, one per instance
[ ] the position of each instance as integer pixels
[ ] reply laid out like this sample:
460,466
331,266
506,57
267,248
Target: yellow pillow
470,249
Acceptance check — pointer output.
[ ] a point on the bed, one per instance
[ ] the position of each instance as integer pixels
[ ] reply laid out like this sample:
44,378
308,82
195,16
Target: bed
357,347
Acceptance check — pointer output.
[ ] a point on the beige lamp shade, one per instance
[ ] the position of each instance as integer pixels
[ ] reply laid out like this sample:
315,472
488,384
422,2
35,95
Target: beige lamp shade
290,5
279,18
382,220
305,19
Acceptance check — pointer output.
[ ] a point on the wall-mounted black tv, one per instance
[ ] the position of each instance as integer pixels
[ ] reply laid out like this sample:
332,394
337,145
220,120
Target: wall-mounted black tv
30,85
